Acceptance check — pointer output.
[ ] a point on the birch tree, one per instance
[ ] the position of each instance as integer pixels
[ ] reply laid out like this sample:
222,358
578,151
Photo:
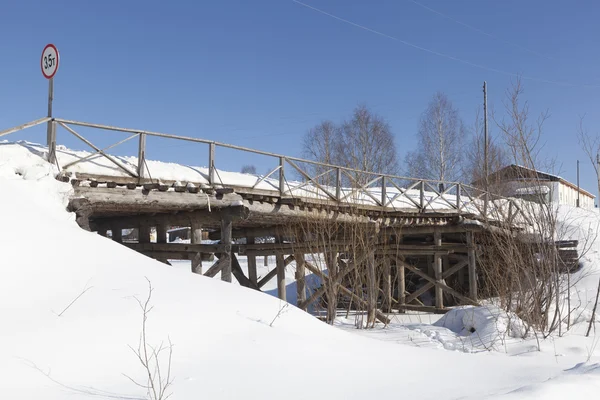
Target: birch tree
367,144
440,143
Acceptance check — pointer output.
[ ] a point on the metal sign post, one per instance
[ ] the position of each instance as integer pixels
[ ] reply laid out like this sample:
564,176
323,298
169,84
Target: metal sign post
49,65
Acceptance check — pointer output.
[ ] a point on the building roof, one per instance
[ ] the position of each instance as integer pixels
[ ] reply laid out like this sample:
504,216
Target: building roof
519,172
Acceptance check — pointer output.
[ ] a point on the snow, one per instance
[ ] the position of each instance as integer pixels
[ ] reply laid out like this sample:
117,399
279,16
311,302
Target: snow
183,175
68,310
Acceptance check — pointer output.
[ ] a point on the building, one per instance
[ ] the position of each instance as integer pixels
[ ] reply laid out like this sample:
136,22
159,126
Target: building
521,182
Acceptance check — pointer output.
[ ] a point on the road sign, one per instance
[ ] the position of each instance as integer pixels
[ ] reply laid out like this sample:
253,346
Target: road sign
49,61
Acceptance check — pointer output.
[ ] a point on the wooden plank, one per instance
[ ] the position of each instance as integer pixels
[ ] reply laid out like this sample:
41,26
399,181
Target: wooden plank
173,255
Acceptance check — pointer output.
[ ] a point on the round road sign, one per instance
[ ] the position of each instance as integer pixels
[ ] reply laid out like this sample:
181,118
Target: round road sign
49,61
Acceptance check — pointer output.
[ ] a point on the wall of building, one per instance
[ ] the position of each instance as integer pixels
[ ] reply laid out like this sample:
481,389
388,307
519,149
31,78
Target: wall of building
568,195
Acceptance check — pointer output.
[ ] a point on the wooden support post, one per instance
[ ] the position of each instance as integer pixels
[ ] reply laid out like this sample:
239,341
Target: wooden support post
371,289
437,268
387,284
226,228
338,184
161,233
281,292
266,261
144,233
117,235
383,191
401,284
102,232
196,238
422,196
252,273
300,280
472,267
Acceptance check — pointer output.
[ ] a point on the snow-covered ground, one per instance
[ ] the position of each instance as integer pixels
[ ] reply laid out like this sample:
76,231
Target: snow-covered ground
68,316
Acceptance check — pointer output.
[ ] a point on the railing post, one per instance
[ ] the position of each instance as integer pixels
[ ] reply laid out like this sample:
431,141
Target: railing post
141,155
383,191
211,164
281,176
458,196
422,196
338,184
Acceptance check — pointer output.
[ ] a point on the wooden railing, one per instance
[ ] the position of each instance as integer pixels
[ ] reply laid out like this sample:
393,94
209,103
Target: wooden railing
321,181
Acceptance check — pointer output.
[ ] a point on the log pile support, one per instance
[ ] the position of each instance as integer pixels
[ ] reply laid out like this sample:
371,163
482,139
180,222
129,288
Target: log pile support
301,280
226,230
437,268
472,266
196,238
252,272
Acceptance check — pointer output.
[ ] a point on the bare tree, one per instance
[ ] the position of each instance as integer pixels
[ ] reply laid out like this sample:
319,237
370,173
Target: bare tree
591,146
249,169
322,144
367,144
474,154
363,143
440,143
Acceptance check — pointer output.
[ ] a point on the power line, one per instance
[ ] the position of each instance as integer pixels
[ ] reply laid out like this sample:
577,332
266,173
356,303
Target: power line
443,55
471,27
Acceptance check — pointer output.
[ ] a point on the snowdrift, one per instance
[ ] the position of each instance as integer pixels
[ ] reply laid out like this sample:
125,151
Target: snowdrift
68,314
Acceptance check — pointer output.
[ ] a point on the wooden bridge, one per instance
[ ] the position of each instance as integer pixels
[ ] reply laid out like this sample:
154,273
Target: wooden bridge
382,241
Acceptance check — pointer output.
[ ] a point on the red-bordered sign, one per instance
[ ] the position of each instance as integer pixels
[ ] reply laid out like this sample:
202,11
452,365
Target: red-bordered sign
49,61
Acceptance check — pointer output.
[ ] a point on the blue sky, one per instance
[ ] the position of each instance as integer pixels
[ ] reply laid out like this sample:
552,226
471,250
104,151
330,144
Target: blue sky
261,73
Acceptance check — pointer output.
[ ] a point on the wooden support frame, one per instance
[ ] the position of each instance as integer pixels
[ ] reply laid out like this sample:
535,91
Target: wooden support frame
280,268
437,269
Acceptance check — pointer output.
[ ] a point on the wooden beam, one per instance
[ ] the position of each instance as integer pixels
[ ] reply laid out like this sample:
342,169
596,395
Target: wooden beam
267,277
300,280
173,255
236,269
380,316
472,267
226,226
161,233
216,267
437,269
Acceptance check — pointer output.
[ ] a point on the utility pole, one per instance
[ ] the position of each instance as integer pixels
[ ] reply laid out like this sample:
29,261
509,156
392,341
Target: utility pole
485,136
578,190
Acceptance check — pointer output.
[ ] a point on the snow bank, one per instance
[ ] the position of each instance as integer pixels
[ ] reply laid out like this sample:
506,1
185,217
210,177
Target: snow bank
68,310
482,328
